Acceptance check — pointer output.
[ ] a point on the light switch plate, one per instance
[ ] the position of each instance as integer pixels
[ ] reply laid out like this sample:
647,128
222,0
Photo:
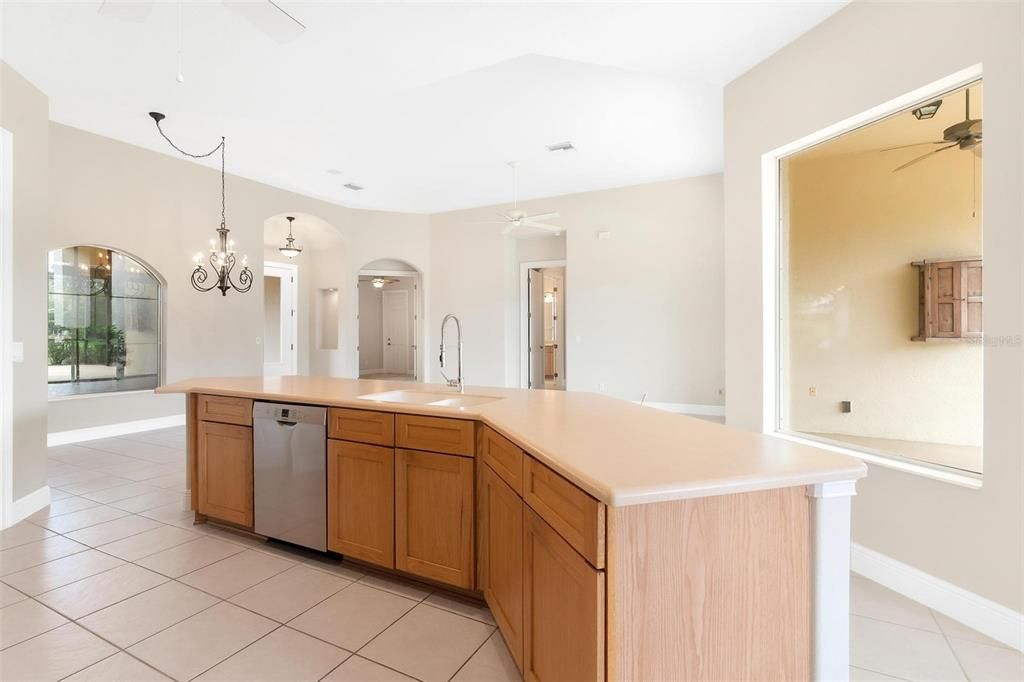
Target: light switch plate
17,351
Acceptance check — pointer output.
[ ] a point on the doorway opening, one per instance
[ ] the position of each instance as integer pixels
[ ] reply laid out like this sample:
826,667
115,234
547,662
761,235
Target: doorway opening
543,325
280,319
389,305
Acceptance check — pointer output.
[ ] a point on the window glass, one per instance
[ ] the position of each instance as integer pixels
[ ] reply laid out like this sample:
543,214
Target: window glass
103,323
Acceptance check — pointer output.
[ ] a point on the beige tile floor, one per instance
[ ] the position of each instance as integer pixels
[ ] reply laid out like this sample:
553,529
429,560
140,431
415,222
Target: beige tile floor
113,582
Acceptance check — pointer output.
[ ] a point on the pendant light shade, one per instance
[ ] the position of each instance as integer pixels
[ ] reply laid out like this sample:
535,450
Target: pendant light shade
290,248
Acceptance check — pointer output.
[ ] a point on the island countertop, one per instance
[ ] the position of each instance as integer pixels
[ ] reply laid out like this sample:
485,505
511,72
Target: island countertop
619,452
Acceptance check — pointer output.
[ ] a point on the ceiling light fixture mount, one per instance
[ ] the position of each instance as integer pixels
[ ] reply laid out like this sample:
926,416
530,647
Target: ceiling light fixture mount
222,249
561,147
290,248
926,111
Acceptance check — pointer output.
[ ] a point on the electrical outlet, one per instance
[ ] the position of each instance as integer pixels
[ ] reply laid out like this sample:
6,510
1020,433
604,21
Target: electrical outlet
812,391
600,387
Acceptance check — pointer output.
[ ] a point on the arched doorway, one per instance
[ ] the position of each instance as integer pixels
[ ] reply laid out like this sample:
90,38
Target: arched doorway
389,313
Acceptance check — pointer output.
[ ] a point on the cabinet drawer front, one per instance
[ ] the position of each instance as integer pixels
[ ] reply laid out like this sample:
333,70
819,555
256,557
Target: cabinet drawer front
563,609
502,456
361,501
577,516
434,516
226,410
225,486
361,426
436,434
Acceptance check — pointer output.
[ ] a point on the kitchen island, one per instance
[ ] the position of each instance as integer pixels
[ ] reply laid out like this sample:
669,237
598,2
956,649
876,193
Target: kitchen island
611,541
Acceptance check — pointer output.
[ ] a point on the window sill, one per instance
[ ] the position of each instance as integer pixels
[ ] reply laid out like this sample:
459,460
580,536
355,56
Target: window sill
944,475
102,394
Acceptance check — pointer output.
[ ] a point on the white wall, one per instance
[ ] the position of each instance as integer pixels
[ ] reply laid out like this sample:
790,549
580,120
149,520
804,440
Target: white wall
371,316
24,112
865,55
654,290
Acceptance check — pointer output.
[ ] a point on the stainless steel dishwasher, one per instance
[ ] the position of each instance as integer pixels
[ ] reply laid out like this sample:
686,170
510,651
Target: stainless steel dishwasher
290,473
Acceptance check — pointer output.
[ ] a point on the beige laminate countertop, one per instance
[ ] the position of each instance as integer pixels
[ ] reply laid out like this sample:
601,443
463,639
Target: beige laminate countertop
619,452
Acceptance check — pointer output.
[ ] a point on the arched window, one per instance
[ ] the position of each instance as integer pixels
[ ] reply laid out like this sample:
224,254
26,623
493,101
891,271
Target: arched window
104,322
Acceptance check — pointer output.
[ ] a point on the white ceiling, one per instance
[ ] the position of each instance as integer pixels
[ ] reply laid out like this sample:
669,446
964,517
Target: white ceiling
421,103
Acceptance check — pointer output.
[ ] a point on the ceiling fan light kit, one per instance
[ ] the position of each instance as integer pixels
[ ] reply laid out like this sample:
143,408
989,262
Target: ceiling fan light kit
966,134
926,111
515,217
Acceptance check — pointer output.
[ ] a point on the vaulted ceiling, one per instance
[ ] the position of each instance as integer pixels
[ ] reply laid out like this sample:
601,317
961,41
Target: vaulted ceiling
420,103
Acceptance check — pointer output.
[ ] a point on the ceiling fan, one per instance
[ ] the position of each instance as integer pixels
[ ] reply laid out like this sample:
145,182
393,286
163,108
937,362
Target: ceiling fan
963,135
515,217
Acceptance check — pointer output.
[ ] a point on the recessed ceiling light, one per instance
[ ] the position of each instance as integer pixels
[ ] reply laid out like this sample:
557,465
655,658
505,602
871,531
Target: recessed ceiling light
561,147
354,187
333,171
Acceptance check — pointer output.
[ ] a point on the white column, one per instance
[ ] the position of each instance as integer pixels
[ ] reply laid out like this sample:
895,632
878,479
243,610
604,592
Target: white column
830,606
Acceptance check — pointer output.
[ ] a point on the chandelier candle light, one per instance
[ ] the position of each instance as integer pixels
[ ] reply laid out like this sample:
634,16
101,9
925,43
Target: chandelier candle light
222,250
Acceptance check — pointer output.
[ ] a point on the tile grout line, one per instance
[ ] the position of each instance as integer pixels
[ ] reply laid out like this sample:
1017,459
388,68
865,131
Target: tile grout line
475,651
949,645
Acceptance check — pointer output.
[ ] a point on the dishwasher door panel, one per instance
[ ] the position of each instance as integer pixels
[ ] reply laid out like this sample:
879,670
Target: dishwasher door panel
290,473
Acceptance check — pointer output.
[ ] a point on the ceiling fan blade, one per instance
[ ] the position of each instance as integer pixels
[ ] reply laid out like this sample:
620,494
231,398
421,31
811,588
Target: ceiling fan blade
915,144
545,216
270,18
925,156
542,226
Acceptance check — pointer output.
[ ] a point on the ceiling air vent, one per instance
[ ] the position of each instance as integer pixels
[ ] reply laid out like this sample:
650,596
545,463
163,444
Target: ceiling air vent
354,187
561,147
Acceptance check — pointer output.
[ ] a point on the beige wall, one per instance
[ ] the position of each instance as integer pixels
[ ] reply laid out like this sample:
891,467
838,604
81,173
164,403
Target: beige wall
24,112
654,290
854,228
865,55
164,209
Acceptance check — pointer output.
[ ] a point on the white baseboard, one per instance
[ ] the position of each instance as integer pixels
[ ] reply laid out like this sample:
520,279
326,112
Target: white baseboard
112,430
28,505
987,617
688,408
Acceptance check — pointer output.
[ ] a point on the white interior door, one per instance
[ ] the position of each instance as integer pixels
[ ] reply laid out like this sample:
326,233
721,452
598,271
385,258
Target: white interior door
280,319
535,316
396,332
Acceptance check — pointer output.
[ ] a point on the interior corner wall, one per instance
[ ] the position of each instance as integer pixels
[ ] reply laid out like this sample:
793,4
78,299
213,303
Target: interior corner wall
24,112
854,228
865,55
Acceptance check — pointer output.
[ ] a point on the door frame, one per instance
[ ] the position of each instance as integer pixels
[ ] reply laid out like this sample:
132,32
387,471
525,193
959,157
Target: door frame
293,272
6,329
417,328
524,314
408,332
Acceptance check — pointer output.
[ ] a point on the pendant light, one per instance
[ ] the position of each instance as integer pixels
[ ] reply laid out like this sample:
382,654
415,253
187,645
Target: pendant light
290,249
222,250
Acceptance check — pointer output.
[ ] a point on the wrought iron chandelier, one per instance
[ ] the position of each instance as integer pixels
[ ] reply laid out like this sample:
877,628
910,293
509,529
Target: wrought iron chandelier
222,250
290,248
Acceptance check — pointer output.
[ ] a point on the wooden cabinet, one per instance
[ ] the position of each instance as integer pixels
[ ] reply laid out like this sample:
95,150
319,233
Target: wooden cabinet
224,465
225,409
577,516
434,516
500,518
361,426
436,434
361,501
503,456
949,299
563,609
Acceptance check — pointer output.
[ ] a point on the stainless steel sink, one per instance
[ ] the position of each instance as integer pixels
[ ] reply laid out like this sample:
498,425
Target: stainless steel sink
456,400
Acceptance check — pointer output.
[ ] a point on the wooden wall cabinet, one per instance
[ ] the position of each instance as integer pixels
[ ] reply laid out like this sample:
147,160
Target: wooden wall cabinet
563,609
361,501
501,557
225,472
434,516
949,299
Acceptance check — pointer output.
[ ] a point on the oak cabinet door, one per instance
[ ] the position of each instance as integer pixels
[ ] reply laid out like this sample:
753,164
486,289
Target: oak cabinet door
563,633
501,558
361,501
225,472
434,516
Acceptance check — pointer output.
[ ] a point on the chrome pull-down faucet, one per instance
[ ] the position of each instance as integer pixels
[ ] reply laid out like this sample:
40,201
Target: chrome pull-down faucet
455,383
